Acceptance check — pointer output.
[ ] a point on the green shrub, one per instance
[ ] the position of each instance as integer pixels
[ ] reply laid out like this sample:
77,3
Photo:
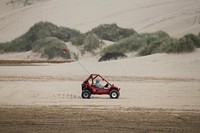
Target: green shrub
39,31
135,42
51,47
146,50
112,56
149,49
21,2
66,34
78,40
112,32
41,34
167,45
185,45
2,47
25,42
149,38
61,34
91,42
125,45
194,38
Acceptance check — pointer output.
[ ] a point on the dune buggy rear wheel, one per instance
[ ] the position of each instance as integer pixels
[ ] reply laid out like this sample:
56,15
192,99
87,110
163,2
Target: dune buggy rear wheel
114,94
86,94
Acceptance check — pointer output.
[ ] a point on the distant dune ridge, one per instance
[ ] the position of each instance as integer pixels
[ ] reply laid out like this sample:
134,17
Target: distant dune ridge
176,17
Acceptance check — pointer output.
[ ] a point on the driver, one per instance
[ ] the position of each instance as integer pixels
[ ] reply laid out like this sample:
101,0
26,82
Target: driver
98,84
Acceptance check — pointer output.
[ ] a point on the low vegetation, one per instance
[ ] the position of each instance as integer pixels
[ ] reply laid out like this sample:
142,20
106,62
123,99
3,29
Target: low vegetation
51,47
49,40
66,34
42,34
91,43
158,42
112,32
22,2
194,38
25,42
112,56
167,45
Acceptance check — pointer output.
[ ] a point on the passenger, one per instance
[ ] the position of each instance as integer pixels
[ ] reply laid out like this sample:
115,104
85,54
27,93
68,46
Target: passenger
98,84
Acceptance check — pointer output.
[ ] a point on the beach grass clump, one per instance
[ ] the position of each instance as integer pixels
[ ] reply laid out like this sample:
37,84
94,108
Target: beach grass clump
112,32
168,45
112,56
135,42
194,38
66,34
39,31
91,43
21,2
25,42
43,37
51,47
151,43
78,40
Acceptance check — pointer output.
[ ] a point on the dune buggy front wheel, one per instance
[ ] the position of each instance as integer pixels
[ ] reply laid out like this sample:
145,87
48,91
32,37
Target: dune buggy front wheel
114,94
86,94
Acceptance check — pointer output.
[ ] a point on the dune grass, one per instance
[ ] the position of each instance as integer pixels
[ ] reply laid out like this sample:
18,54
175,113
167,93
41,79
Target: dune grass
150,43
22,2
92,42
194,38
135,42
112,56
49,40
112,32
51,47
44,37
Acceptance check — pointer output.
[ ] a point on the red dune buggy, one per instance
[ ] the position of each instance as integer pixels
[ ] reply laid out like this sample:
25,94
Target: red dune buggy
89,87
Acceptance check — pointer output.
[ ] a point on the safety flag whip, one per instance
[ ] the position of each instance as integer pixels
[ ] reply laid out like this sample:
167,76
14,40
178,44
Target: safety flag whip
66,50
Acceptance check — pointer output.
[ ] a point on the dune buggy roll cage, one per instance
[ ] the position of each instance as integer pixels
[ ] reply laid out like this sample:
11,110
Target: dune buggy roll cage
94,76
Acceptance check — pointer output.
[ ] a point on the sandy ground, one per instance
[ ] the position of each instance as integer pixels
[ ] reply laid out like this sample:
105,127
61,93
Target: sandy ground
90,120
177,17
160,93
156,81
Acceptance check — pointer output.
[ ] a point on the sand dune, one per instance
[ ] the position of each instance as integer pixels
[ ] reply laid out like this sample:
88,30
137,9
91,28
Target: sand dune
160,92
156,81
177,17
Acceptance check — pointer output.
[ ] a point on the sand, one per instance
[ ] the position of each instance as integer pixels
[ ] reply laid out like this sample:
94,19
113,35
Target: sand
156,81
160,92
87,120
176,17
